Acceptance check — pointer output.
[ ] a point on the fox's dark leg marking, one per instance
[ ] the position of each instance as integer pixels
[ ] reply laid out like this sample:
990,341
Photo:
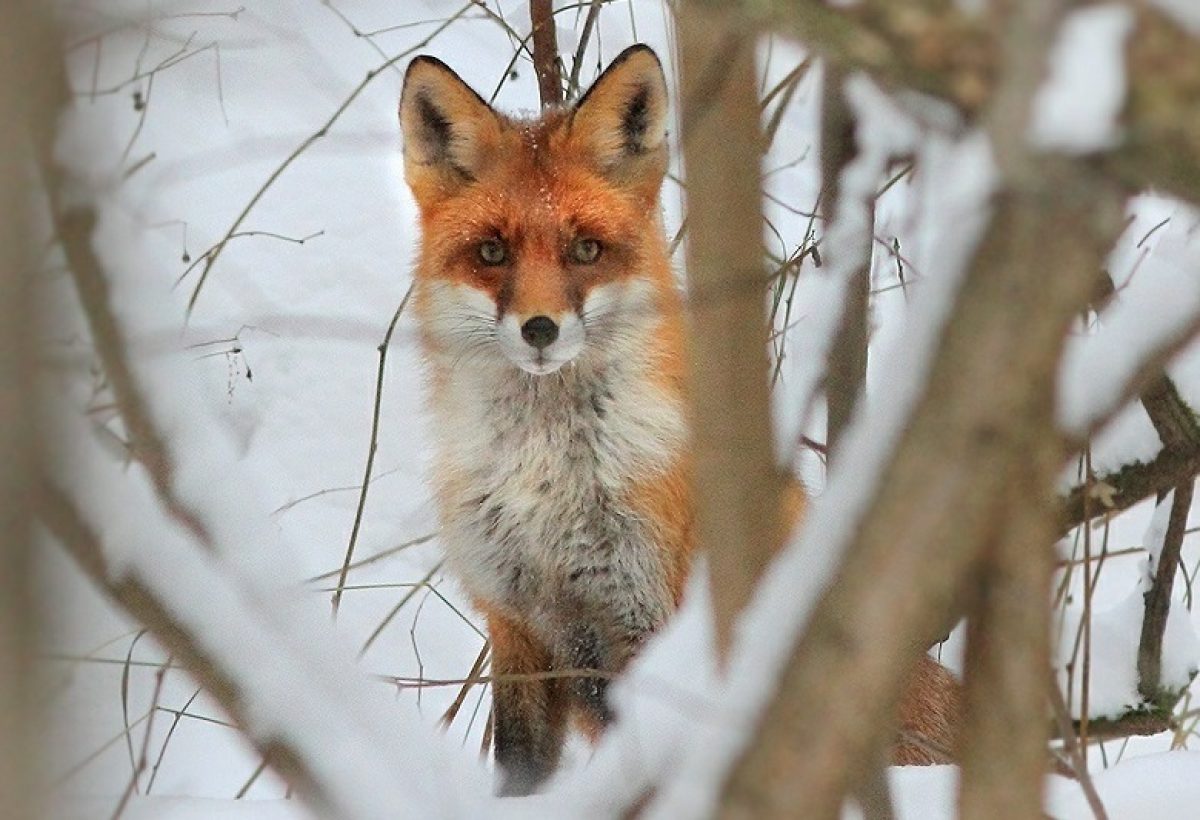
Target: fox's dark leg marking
530,715
586,649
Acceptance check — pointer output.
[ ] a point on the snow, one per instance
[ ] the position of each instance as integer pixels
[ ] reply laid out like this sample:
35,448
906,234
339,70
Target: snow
1115,633
1076,110
1157,304
185,808
267,644
1155,787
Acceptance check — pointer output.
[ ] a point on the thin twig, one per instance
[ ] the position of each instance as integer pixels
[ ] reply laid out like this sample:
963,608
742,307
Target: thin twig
374,445
473,677
589,23
162,751
1071,746
396,609
132,787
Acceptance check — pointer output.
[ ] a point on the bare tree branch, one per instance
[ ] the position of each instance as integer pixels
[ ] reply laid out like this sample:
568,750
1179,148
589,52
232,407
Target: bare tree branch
23,54
940,48
1173,420
1158,602
1071,747
736,484
545,52
1130,485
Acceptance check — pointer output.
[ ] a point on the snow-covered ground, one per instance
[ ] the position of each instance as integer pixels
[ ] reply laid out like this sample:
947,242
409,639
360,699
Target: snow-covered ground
185,111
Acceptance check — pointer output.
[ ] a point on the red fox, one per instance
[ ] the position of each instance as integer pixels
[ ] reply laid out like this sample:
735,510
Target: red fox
553,333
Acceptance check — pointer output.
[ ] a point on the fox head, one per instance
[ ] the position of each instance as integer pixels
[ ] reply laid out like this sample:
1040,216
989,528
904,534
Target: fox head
541,238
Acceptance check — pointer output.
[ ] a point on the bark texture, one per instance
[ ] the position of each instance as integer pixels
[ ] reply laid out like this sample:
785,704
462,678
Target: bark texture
936,47
24,53
736,483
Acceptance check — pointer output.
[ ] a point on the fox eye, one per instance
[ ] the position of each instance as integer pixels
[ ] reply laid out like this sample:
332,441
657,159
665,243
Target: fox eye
584,251
492,252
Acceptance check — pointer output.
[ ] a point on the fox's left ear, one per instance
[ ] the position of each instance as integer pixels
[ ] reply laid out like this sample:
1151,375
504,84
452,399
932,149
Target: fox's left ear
621,122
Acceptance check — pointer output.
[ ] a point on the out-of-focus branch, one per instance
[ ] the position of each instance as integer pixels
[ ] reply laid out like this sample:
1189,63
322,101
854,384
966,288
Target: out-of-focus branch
288,730
988,401
936,47
736,484
1008,638
22,55
65,522
847,372
545,52
936,517
74,225
846,375
1008,653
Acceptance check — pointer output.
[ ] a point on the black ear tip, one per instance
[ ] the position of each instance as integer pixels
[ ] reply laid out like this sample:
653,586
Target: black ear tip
636,48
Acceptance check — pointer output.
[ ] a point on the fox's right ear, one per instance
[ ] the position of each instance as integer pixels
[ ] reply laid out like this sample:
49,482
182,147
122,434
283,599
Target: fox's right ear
449,130
621,121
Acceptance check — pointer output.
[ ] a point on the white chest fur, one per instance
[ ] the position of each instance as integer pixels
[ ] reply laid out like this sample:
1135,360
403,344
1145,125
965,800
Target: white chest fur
534,475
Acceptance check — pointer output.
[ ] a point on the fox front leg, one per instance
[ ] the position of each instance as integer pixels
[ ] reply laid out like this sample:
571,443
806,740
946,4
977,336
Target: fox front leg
529,715
588,645
585,649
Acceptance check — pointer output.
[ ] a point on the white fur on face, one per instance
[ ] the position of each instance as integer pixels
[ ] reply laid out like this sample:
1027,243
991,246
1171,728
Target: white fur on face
564,348
462,322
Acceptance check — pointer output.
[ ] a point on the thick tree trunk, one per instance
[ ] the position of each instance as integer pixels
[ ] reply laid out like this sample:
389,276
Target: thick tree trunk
21,57
737,486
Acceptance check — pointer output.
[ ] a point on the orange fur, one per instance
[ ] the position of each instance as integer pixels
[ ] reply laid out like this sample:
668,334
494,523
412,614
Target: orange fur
931,710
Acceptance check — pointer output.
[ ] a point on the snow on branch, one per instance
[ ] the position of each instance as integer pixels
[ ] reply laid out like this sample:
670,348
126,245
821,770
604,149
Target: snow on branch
952,52
1153,316
799,576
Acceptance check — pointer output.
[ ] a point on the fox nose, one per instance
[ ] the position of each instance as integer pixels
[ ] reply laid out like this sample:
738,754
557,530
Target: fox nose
540,331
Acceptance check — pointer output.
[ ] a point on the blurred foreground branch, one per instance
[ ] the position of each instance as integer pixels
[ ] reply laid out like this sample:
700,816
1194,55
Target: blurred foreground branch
944,50
937,519
180,585
21,55
66,523
736,484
